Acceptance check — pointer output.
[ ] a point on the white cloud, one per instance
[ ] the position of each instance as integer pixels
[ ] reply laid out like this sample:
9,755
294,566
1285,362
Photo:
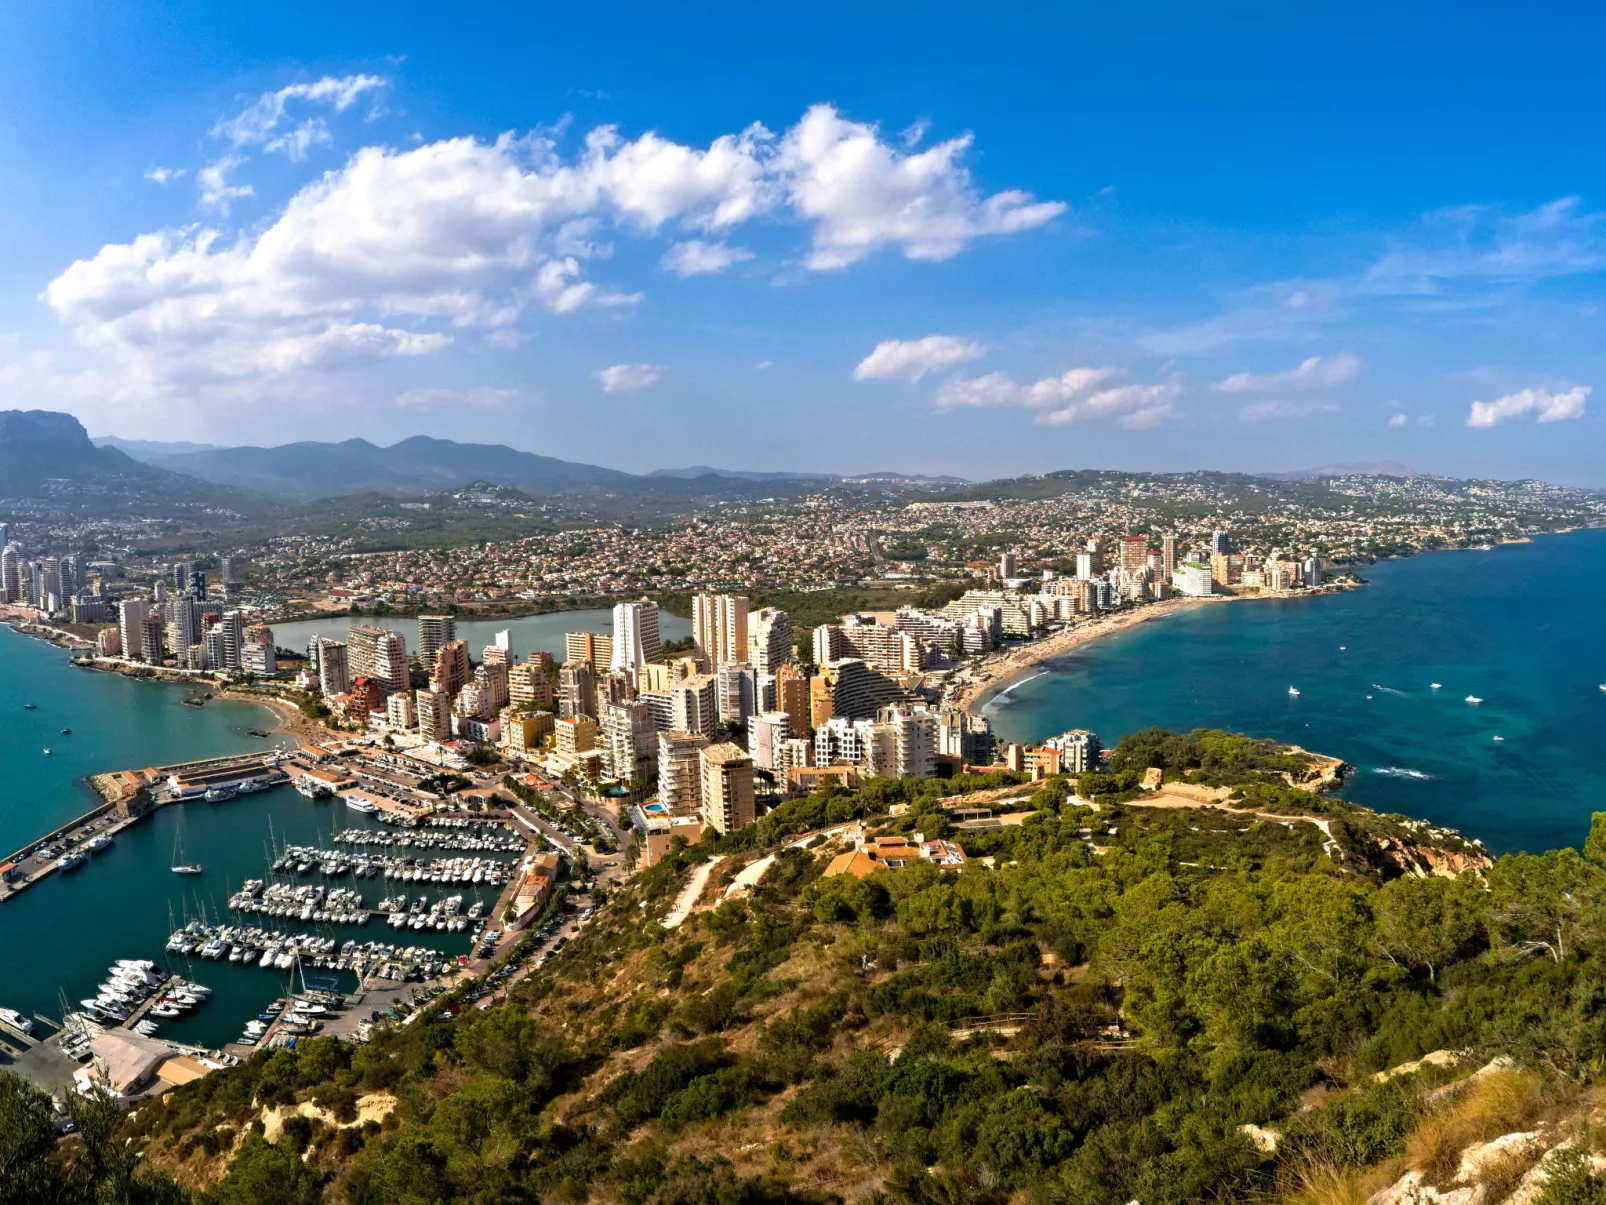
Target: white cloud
1473,243
621,378
698,258
1550,407
1070,397
216,191
1397,420
161,175
911,359
484,397
268,123
1316,372
863,194
763,364
398,251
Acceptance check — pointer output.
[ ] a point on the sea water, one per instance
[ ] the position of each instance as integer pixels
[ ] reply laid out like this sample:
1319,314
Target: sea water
1519,627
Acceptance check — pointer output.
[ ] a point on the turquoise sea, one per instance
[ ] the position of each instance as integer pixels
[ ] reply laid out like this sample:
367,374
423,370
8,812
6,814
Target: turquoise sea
1520,627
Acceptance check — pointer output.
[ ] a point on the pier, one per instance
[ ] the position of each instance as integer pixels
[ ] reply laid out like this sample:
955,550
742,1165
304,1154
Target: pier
127,796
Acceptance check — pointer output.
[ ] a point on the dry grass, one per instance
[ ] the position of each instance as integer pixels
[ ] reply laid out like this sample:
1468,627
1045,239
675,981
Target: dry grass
1500,1177
1321,1183
1498,1103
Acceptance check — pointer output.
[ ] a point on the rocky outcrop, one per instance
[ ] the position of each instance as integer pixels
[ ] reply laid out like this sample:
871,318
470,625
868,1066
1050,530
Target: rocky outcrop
1422,860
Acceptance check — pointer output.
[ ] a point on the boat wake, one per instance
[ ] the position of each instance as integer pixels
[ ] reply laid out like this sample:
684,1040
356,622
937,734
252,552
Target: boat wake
1389,690
1401,772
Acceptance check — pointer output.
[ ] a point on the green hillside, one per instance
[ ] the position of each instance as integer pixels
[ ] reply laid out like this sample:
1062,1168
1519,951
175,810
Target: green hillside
1133,1003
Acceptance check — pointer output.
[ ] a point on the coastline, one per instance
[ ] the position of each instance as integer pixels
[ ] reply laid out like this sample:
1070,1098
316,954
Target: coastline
1005,668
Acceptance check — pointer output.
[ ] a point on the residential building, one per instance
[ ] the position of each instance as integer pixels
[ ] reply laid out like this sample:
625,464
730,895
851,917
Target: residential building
680,783
635,635
719,627
1134,553
792,697
767,734
1079,750
629,742
434,632
449,667
523,731
736,693
696,704
1193,580
131,613
572,737
594,648
770,639
1007,566
151,629
727,788
379,655
493,680
577,689
399,712
528,687
334,672
257,656
856,690
433,711
893,853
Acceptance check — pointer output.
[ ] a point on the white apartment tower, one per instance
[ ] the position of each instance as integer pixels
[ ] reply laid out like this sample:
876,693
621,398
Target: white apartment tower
636,641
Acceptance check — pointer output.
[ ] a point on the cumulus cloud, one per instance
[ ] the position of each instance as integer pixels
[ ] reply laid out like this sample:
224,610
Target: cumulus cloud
1317,372
1550,407
269,122
911,359
622,378
397,252
698,258
1397,420
161,175
863,194
1070,397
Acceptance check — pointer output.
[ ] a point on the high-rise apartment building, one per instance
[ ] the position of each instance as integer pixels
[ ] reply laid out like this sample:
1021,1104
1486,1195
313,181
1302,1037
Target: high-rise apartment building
151,629
528,687
10,574
334,671
767,734
492,679
770,639
719,627
1079,750
434,714
1134,553
434,631
232,629
792,697
636,639
594,648
696,704
736,693
257,655
855,690
449,668
629,742
379,655
680,781
1007,566
577,690
131,613
1168,555
727,788
1220,544
399,711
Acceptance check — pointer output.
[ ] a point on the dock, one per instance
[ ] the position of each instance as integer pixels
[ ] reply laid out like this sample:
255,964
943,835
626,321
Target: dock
127,796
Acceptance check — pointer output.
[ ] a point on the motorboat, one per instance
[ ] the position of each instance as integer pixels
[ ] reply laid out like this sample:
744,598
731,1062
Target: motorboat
66,732
1474,700
360,805
30,706
11,1017
70,861
96,844
220,794
1294,691
1435,686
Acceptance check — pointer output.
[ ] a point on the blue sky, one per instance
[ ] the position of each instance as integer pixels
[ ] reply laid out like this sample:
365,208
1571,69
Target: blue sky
926,238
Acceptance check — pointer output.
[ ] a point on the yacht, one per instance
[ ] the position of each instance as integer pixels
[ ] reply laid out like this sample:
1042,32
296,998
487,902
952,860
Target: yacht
11,1017
70,861
30,706
66,732
360,805
96,844
1474,700
47,752
1294,691
1499,738
1435,686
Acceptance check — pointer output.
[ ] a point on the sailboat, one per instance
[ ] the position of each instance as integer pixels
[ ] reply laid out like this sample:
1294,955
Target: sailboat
180,866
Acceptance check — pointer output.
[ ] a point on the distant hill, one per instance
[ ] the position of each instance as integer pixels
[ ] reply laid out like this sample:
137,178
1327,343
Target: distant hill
309,470
1384,468
48,456
698,472
145,449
